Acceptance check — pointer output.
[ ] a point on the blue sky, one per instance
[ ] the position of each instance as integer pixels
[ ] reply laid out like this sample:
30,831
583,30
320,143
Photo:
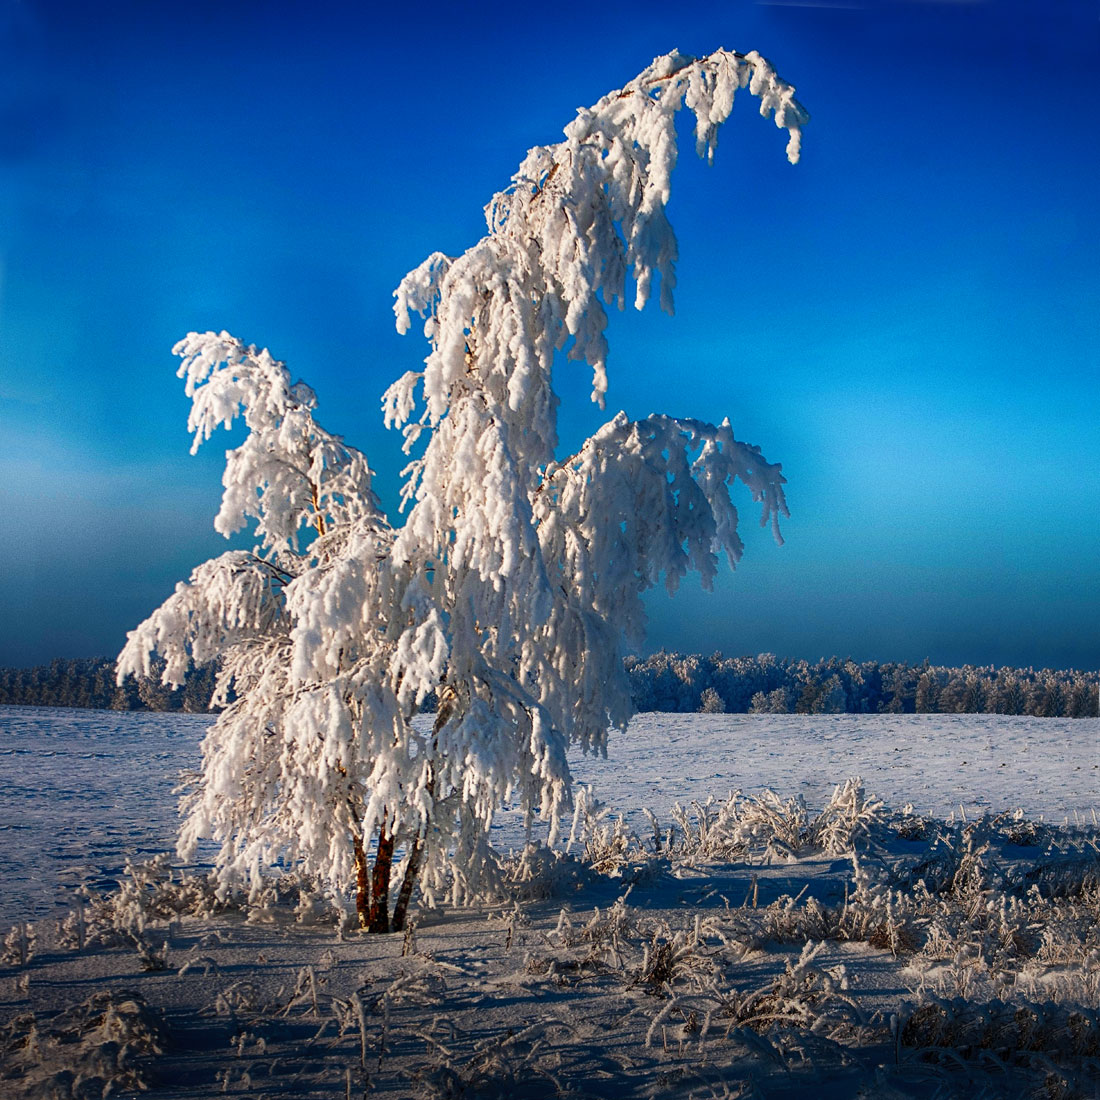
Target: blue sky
907,320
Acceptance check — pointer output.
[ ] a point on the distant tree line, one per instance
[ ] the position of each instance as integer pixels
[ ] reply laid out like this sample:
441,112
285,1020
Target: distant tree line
90,682
773,685
663,682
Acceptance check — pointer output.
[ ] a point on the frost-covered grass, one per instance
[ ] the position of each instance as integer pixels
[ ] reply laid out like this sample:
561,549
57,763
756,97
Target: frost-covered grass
753,944
743,949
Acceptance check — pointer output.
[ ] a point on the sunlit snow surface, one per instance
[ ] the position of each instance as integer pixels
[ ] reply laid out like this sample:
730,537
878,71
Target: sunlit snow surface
83,790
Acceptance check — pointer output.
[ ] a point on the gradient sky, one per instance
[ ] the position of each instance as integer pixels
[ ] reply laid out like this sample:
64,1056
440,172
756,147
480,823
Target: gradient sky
907,320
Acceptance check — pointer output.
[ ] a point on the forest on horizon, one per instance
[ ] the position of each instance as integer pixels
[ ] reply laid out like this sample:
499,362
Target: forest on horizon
663,682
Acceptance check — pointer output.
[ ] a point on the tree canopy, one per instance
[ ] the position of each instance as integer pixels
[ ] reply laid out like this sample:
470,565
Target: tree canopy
515,581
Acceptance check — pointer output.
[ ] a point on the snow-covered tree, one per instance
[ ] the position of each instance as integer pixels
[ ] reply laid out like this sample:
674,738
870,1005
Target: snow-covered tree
710,702
515,581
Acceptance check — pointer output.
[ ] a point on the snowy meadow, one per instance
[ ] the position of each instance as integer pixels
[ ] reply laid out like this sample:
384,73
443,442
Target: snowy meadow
84,791
758,945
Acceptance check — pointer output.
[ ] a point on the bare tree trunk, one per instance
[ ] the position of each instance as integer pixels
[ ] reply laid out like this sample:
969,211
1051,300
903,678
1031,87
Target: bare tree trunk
362,884
408,882
379,916
416,852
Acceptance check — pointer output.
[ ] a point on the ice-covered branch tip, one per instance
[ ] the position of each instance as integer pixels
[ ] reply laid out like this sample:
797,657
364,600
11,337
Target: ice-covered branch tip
289,473
578,221
776,95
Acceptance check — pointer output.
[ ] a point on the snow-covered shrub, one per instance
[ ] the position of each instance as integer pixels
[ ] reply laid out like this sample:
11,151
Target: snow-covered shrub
872,912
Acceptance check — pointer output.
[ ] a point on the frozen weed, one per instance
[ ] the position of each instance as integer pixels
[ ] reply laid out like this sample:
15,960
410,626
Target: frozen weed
958,863
767,826
848,820
909,825
1069,934
151,892
155,892
608,849
1019,830
541,872
671,959
19,944
803,996
1067,875
600,942
304,992
519,1063
872,913
512,919
739,827
1042,1049
371,1012
646,952
88,1051
238,997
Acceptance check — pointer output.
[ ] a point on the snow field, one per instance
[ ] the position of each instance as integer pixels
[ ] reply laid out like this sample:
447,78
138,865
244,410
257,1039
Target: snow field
82,791
749,947
962,764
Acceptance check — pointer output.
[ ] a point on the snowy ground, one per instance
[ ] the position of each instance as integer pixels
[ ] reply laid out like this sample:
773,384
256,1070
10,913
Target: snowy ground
1048,767
82,791
750,957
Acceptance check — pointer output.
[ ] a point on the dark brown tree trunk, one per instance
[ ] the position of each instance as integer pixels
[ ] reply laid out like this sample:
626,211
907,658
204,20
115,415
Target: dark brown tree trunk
379,917
362,884
408,882
416,852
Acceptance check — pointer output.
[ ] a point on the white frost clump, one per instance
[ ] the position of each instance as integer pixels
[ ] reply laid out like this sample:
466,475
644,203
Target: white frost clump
515,579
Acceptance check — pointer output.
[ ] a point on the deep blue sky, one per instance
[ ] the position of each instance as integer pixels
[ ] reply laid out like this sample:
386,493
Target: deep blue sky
908,319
